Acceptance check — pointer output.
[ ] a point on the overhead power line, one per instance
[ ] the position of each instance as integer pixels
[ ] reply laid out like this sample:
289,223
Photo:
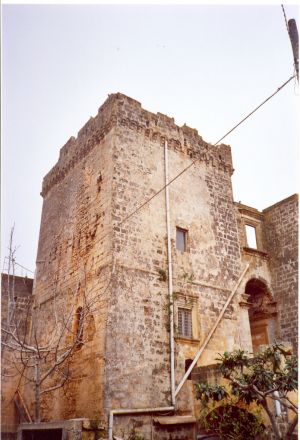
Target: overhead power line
196,160
285,19
17,264
253,111
192,163
25,268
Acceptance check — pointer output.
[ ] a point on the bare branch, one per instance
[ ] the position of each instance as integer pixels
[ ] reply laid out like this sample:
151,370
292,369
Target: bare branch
292,427
19,343
55,387
292,403
289,405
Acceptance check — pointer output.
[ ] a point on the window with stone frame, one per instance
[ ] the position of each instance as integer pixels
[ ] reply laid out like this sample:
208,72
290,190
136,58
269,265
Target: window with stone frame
181,239
185,327
251,236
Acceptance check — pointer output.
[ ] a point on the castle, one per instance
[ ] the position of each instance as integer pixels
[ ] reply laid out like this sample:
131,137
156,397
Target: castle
158,276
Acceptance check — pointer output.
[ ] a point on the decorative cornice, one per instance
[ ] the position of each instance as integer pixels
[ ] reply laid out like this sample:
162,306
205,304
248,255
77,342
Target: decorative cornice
250,212
256,252
189,341
245,301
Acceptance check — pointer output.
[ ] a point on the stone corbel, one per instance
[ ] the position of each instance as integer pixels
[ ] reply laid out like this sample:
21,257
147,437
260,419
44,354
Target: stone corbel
244,303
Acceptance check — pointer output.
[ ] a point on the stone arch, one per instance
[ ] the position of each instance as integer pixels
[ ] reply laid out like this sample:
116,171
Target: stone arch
260,282
262,312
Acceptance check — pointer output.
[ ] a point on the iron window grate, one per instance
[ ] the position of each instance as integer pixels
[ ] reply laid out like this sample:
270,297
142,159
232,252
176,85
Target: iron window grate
185,322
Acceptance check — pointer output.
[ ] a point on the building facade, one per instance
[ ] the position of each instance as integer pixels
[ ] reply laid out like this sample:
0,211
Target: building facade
154,278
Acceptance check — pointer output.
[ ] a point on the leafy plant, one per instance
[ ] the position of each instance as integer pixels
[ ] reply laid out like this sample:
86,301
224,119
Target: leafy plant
268,375
206,392
162,275
232,422
188,277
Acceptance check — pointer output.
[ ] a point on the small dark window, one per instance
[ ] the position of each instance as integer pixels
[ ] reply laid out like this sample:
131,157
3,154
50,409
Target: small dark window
188,362
251,236
181,239
185,322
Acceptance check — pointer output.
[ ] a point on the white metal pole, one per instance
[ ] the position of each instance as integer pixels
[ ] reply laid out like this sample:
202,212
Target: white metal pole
170,277
277,404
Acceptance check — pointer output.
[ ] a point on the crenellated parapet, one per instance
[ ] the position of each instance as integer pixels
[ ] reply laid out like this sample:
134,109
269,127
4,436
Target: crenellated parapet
90,135
124,112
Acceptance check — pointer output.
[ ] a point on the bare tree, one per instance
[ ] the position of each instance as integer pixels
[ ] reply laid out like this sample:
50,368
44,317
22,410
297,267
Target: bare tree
42,355
11,278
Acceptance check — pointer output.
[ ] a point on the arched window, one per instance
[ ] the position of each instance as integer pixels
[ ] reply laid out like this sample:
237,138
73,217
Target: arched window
79,327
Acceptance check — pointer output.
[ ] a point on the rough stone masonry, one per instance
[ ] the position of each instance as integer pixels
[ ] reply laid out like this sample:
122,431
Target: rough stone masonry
87,252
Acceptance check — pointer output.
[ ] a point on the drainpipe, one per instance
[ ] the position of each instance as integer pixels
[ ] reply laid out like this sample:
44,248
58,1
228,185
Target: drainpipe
170,277
133,411
170,288
208,337
277,404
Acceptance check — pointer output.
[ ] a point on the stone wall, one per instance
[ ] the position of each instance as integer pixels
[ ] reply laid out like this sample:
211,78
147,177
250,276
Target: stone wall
274,262
175,432
281,242
19,289
258,260
74,262
137,347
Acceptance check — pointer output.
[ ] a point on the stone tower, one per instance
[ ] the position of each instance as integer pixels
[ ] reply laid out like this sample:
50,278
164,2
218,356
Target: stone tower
92,246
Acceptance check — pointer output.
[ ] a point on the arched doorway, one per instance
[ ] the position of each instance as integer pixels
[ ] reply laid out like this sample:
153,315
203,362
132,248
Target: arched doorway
262,313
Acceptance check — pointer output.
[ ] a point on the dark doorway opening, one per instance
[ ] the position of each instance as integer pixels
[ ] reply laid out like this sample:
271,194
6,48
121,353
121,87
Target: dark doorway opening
188,363
42,434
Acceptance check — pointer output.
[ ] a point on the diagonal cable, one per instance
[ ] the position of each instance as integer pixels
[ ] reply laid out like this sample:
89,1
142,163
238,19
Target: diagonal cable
196,160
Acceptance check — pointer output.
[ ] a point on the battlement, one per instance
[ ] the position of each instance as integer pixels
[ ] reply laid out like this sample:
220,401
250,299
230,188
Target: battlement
122,111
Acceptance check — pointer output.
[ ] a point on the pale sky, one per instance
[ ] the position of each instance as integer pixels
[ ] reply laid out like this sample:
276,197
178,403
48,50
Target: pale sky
206,66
